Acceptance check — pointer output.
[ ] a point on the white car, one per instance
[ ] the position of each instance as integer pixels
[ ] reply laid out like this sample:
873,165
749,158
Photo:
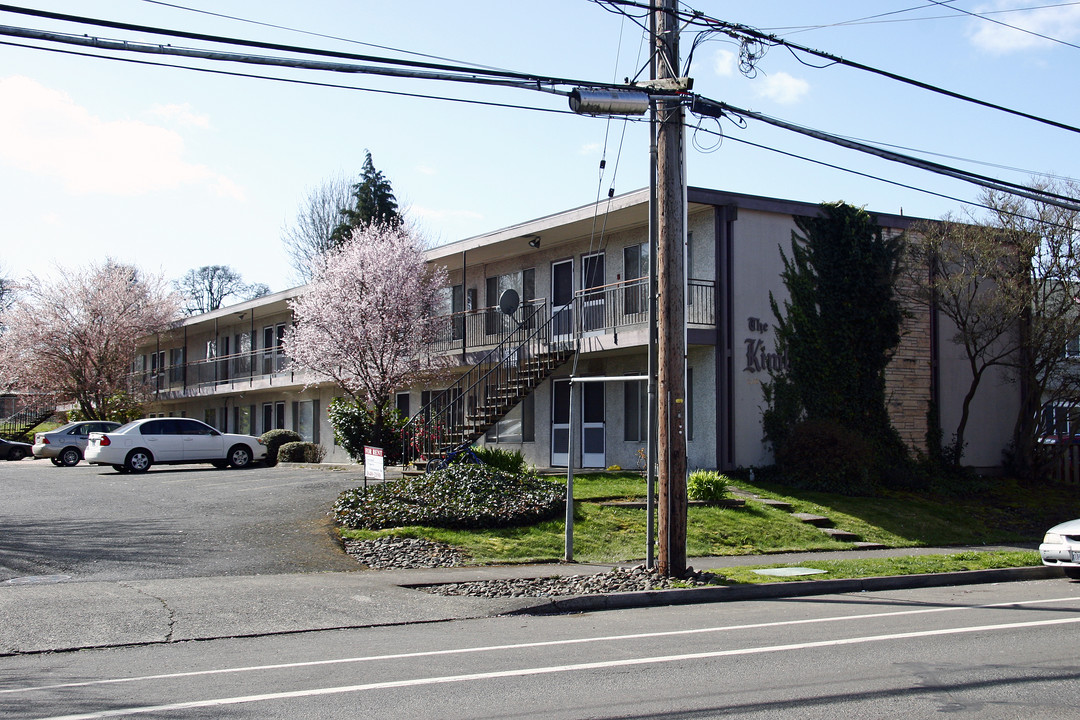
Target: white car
171,441
65,445
1061,548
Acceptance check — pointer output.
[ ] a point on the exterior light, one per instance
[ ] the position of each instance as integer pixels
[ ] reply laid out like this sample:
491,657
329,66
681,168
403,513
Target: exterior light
590,101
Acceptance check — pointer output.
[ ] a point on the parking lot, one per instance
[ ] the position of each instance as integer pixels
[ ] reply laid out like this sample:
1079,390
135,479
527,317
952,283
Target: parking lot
92,523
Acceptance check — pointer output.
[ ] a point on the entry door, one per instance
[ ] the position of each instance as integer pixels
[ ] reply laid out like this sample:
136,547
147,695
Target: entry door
592,309
562,300
593,434
560,423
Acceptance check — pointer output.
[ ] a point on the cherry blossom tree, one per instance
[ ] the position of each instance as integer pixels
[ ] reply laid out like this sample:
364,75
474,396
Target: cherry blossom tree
368,314
74,339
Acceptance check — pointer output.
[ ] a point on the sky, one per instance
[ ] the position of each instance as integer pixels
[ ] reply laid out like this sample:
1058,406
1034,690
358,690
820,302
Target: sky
172,169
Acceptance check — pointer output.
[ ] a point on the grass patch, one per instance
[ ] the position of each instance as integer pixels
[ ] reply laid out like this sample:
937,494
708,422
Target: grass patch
877,567
994,511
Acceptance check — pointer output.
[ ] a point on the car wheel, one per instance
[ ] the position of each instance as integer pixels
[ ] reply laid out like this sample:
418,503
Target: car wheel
70,457
120,469
16,454
138,461
240,456
1072,573
56,461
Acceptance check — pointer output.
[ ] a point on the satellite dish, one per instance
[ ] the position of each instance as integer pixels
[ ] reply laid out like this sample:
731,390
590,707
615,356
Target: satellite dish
509,301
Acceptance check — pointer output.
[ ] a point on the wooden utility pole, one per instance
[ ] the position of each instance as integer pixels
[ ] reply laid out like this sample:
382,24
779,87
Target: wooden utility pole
670,217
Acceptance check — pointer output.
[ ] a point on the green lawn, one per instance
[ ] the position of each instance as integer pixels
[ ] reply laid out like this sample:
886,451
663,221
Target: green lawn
1000,511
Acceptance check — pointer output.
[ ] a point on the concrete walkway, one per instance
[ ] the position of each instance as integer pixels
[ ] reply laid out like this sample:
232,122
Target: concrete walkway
54,614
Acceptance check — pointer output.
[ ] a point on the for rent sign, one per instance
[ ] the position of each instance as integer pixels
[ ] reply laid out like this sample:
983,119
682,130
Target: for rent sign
373,463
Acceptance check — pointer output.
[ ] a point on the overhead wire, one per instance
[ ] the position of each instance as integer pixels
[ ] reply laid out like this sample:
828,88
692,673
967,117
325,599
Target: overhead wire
738,31
1011,27
293,81
311,33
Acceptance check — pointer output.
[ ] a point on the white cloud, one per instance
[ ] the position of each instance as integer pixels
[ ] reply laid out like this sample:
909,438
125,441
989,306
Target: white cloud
44,132
591,148
181,114
427,170
725,63
781,87
1062,23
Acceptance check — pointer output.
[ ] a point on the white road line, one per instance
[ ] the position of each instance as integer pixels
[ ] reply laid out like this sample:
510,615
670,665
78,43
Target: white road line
524,646
525,672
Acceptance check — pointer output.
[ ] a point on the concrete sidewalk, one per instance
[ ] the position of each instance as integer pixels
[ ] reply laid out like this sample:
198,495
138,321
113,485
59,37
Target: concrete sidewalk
51,614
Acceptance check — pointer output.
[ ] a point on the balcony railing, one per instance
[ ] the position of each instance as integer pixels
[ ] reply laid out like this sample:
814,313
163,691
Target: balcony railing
607,309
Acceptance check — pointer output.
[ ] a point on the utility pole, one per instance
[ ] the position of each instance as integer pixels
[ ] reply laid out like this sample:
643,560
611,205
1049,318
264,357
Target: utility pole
670,214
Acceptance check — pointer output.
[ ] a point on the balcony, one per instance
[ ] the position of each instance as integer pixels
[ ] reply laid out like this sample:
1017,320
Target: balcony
224,373
609,309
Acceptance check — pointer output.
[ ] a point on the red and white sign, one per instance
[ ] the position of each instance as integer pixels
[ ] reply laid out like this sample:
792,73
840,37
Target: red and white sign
373,463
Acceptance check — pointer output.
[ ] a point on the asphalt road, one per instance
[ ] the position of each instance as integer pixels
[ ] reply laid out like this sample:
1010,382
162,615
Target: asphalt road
92,523
987,652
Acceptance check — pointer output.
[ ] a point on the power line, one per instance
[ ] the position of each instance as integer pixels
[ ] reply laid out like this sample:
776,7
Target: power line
740,33
315,34
293,48
292,81
711,108
1012,27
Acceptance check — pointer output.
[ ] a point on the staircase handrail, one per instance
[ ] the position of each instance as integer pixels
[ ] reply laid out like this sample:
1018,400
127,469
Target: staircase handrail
442,405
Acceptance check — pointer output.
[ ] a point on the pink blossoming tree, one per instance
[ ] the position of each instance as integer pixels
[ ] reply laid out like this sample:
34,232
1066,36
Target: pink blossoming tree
368,315
74,339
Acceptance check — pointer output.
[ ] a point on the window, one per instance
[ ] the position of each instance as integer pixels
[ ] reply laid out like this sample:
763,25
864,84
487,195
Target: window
636,273
1072,348
635,410
210,417
306,420
592,307
273,356
176,365
403,404
517,426
242,419
524,283
243,353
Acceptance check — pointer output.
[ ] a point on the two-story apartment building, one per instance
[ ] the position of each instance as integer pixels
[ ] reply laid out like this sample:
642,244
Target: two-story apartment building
582,277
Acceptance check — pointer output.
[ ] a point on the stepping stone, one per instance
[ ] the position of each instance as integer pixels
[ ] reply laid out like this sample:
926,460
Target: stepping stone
778,504
863,545
841,535
810,519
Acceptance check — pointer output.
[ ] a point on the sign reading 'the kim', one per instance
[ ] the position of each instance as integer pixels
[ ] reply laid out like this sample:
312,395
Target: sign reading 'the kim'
758,357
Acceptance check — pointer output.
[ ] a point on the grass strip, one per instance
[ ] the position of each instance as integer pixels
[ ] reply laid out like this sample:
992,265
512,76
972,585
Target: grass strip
841,569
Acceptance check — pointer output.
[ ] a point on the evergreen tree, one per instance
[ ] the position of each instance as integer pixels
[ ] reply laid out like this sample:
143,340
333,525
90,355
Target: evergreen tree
838,329
373,202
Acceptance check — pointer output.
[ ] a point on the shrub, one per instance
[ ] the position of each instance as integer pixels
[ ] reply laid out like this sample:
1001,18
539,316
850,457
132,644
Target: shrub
304,452
509,461
354,427
460,496
824,455
274,439
707,485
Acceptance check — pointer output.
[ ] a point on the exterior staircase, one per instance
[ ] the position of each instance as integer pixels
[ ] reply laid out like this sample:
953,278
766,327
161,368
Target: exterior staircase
459,415
30,416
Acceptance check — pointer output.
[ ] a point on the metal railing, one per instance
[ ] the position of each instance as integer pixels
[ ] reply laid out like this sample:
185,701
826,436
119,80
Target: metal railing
609,308
463,412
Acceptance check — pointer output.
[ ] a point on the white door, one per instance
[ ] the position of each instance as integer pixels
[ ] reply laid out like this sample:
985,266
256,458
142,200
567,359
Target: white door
560,423
593,432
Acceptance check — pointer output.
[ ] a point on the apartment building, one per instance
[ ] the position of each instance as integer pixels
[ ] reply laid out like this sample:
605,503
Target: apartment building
581,277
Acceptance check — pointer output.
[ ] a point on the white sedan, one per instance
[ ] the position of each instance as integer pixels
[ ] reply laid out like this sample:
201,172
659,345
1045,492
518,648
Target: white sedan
1061,548
171,441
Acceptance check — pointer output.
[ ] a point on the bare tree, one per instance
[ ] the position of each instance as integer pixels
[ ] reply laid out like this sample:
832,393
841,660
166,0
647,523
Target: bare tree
205,289
310,236
1011,284
74,339
969,274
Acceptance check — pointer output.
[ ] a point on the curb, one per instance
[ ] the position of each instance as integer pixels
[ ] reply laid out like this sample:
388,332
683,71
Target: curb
797,588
